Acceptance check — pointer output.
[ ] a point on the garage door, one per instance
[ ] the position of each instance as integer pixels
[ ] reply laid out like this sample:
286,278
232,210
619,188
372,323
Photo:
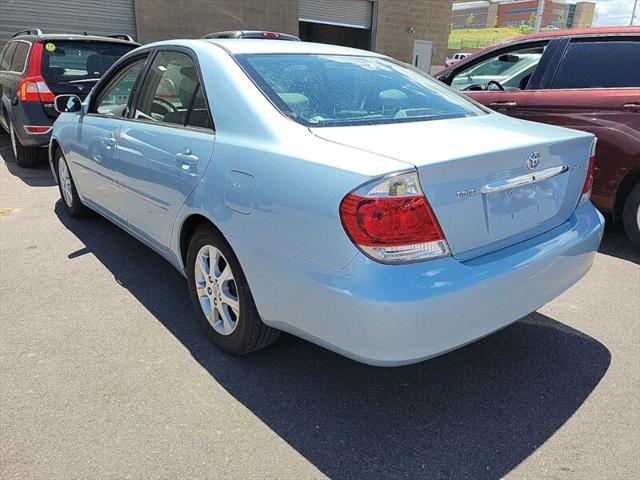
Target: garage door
345,13
100,17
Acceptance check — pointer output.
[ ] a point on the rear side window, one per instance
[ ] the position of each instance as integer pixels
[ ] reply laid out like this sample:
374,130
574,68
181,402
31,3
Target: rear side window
20,57
8,55
600,64
199,114
75,66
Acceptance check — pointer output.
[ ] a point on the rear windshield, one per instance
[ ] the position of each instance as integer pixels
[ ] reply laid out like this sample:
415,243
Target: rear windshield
75,66
334,90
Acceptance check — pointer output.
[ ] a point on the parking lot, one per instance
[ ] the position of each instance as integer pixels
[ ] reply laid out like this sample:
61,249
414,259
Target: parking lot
105,373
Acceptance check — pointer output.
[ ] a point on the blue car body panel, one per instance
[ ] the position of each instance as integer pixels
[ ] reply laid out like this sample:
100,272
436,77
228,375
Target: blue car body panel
273,187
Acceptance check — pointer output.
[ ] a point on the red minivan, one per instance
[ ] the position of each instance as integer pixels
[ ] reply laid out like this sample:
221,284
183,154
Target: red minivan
586,79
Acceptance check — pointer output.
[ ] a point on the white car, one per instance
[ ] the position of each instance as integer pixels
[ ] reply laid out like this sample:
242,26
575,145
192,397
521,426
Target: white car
456,58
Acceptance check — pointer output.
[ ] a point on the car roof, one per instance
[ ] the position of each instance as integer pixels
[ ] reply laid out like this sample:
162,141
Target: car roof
576,32
547,34
72,36
242,46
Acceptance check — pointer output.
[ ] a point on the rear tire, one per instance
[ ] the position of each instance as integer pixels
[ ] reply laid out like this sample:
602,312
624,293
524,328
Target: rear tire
68,193
26,157
631,216
222,297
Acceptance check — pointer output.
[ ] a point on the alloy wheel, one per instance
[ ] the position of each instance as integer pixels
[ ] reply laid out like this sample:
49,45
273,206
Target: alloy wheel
65,182
12,134
217,290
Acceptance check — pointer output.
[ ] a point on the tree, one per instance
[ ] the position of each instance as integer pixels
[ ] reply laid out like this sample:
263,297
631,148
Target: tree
471,19
532,20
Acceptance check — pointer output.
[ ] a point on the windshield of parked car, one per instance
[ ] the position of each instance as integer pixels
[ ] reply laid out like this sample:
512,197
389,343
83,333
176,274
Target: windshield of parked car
75,66
333,90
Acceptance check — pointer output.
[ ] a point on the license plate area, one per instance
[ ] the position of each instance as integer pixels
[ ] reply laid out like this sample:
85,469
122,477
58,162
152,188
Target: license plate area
510,211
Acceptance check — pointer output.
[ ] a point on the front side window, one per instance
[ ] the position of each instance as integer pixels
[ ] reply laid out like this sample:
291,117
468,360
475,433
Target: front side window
115,98
19,57
510,70
331,90
600,64
168,89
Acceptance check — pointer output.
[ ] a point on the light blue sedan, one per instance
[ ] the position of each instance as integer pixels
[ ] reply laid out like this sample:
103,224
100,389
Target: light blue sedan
332,193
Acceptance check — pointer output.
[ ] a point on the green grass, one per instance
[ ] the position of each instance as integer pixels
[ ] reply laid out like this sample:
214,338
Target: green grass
483,37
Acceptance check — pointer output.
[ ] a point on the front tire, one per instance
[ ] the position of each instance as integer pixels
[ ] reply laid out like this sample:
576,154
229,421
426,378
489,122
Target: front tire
68,193
631,216
26,157
221,295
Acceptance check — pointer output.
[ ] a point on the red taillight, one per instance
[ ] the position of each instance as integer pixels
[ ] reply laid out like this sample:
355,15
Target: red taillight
392,221
588,181
37,129
271,34
33,88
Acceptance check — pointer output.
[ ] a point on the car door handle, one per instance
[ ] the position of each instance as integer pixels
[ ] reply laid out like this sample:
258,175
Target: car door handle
186,157
631,107
109,141
503,104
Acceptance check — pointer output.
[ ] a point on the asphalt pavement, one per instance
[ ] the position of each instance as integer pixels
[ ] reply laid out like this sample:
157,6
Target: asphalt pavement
105,373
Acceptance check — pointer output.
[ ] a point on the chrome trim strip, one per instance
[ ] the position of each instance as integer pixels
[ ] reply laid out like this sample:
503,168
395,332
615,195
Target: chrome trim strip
522,180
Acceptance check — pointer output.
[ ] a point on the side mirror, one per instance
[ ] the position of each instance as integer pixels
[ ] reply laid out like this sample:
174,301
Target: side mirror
67,103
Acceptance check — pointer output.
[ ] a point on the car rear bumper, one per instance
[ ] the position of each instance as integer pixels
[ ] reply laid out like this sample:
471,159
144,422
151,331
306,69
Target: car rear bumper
31,113
391,315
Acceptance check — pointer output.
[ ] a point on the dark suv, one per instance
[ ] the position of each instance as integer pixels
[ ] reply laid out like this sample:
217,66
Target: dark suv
34,68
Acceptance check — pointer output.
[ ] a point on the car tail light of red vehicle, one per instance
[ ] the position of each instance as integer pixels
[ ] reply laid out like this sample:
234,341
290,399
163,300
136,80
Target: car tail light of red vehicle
33,88
391,221
588,181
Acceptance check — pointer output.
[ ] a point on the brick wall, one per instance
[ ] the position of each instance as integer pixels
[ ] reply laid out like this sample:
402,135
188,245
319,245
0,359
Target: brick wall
163,19
429,18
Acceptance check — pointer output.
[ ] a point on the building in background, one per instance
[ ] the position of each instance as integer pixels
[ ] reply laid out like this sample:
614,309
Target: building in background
557,13
414,31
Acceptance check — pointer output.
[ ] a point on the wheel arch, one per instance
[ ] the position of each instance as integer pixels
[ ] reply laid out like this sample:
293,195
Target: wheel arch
54,145
628,182
188,227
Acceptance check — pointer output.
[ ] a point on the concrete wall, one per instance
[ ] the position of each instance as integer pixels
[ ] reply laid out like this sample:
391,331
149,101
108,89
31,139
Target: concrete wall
163,19
399,22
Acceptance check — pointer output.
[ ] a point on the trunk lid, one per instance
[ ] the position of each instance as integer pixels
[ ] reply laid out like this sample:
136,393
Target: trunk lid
475,176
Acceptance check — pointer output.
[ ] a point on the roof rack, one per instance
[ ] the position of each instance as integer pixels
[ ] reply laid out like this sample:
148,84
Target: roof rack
121,36
33,31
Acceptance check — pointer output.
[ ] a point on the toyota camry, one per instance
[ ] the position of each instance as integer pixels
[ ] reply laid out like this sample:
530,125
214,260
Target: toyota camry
332,193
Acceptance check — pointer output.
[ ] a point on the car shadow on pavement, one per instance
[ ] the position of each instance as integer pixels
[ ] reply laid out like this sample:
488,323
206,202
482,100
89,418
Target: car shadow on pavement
39,176
476,412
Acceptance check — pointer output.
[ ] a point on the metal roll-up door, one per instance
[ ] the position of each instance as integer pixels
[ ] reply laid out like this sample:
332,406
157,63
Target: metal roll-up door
96,17
345,13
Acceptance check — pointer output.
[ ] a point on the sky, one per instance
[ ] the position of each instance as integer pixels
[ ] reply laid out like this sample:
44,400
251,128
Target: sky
615,12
